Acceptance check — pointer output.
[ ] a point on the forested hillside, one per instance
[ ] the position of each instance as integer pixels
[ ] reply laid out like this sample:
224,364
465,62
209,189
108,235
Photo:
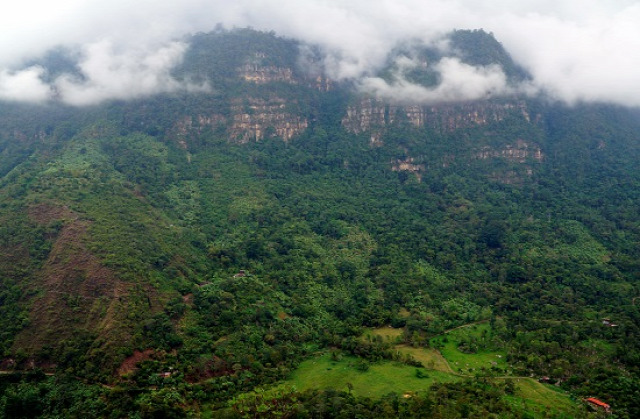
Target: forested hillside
168,256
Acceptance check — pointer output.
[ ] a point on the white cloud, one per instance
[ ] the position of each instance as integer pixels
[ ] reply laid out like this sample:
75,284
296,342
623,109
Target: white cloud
577,50
458,82
595,59
24,86
111,74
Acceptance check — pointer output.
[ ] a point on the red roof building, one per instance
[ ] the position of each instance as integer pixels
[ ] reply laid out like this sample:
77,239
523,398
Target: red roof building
598,403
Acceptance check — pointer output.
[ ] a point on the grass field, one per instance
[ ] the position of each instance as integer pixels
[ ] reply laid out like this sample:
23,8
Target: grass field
387,333
544,400
387,377
380,379
470,363
448,364
430,358
449,358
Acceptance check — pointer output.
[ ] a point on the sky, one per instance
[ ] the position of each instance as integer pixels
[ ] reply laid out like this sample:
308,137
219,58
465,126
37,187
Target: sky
575,50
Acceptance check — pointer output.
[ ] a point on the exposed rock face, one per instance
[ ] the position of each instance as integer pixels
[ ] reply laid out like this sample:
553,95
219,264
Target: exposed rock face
373,115
519,152
252,121
261,75
188,125
368,115
255,73
322,83
408,165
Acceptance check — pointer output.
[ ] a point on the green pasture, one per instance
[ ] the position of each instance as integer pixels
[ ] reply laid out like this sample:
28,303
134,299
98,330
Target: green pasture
544,400
380,379
481,361
429,357
446,364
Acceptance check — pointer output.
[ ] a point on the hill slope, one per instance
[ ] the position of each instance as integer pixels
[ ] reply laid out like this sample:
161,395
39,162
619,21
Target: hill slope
227,235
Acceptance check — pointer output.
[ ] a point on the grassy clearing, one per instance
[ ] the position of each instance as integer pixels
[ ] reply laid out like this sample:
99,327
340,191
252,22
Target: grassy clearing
430,358
380,379
387,333
448,364
386,377
544,400
470,363
545,395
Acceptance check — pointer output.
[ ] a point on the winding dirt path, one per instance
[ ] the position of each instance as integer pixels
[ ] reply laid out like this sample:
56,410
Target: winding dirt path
465,325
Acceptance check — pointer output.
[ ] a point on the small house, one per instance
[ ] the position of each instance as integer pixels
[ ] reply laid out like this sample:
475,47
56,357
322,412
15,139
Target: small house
598,404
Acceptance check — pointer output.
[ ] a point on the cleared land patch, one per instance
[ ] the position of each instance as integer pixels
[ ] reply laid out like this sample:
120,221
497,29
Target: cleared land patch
380,379
429,357
544,400
470,350
462,353
387,333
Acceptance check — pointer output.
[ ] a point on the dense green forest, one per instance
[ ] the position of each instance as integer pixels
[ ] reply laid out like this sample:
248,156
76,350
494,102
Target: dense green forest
163,257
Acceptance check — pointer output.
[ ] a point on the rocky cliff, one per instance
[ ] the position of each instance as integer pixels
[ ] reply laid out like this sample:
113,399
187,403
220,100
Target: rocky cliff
255,73
520,151
250,119
374,116
258,118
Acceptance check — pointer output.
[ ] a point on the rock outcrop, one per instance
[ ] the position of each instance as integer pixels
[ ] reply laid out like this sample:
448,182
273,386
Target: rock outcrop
266,74
374,115
408,165
520,152
251,119
261,118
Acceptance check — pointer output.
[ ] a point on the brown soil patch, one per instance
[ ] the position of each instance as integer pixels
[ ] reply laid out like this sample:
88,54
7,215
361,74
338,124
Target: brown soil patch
46,213
76,291
282,315
131,363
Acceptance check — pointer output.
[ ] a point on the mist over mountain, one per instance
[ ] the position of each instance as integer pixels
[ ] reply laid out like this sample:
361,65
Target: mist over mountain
574,51
387,220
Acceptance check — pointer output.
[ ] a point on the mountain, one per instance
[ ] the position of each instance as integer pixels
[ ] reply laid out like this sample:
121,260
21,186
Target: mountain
188,247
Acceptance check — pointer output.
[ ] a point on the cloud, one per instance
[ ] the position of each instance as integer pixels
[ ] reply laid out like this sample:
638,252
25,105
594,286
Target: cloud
110,74
24,86
575,50
105,73
458,82
592,60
